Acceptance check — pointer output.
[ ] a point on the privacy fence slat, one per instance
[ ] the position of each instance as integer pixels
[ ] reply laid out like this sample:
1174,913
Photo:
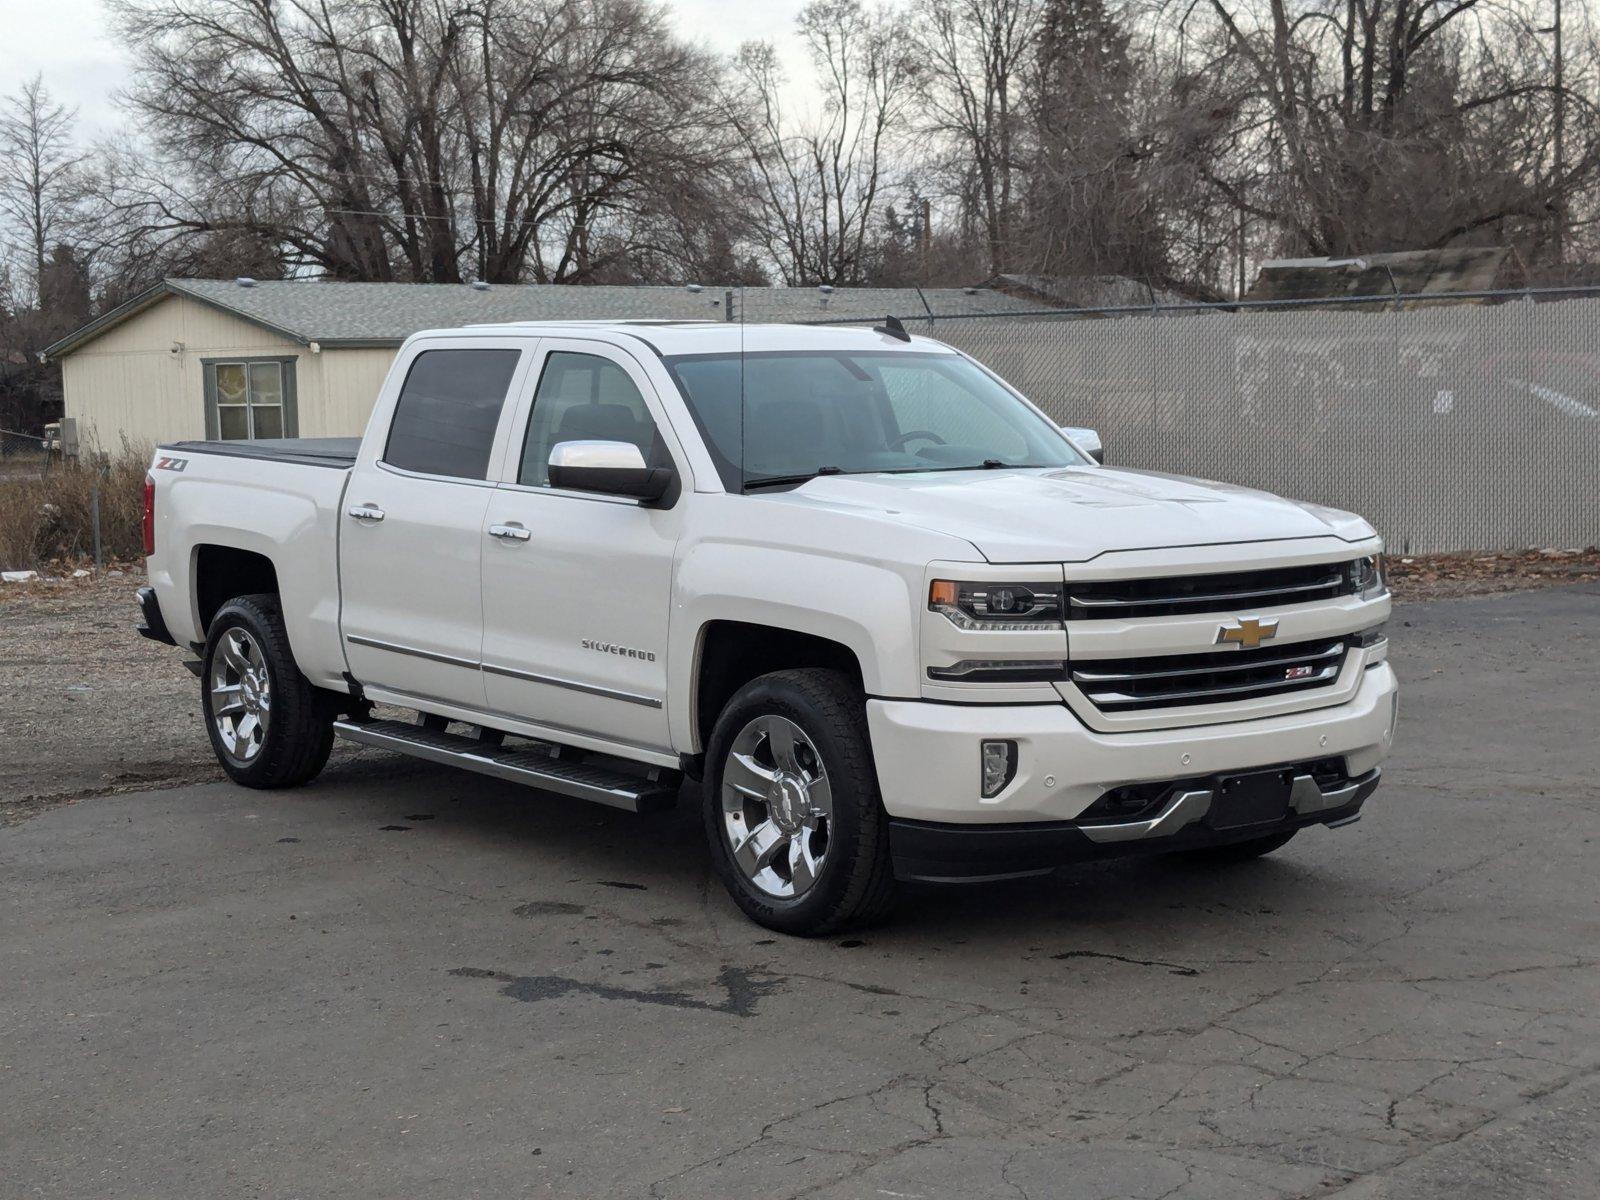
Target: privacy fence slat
1456,427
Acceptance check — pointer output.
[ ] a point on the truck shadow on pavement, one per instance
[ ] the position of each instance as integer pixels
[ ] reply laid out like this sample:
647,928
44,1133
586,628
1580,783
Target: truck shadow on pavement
658,863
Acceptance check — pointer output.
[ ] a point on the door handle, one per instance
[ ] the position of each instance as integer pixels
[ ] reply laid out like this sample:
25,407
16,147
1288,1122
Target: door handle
367,512
509,533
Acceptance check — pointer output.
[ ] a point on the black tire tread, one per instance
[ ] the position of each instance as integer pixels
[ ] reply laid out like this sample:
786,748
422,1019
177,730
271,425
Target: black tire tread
870,891
301,737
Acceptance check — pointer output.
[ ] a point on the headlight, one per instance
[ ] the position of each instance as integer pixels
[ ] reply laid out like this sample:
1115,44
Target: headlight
1016,606
1366,576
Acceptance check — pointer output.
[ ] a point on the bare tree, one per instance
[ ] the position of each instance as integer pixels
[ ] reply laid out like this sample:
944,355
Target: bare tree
1389,124
975,56
41,185
418,139
818,181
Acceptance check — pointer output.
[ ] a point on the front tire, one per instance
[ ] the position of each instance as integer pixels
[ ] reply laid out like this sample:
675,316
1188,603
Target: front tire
797,830
269,726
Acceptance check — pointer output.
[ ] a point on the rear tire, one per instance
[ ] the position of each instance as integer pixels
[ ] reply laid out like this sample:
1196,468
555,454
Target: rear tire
797,830
269,726
1237,852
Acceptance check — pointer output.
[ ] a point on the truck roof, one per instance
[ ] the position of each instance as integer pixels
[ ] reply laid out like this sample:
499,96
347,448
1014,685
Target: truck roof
711,337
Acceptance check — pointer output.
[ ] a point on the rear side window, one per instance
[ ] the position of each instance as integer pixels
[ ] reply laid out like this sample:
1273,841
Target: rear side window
445,419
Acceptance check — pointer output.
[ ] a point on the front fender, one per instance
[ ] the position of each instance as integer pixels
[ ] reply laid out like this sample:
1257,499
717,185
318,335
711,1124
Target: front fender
868,607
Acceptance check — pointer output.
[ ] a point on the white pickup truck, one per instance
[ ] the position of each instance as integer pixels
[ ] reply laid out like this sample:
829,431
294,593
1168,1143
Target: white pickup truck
892,621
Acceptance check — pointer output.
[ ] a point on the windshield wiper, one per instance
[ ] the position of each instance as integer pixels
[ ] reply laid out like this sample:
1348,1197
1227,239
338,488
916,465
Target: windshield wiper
988,464
780,480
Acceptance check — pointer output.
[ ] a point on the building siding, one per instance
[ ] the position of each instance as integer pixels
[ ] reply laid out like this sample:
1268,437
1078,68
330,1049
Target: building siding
143,382
348,382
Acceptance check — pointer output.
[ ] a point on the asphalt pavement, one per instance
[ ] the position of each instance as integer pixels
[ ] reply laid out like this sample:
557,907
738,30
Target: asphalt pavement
408,982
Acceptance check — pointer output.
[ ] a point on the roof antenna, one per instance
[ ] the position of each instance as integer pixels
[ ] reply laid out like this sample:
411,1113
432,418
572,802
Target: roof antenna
891,326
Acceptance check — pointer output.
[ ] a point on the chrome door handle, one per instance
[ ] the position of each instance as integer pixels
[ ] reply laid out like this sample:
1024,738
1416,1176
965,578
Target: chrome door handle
509,533
367,512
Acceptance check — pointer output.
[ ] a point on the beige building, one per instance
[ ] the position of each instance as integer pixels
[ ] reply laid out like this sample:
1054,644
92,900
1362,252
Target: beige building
207,358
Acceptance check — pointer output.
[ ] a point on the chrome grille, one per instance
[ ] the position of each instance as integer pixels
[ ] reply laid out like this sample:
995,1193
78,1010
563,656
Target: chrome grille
1186,594
1174,680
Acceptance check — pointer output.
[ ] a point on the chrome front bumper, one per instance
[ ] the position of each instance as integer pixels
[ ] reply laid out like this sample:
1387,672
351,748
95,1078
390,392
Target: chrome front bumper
1306,799
945,853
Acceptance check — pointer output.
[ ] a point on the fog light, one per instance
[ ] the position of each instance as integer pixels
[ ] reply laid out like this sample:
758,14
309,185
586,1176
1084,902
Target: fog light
999,764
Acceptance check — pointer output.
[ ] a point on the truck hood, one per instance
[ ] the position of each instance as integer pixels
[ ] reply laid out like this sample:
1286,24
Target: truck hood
1075,513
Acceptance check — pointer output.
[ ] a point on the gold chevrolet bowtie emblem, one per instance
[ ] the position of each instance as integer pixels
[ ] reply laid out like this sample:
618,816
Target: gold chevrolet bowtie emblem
1248,633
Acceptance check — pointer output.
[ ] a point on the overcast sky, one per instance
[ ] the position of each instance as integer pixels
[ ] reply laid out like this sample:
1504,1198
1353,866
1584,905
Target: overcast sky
70,43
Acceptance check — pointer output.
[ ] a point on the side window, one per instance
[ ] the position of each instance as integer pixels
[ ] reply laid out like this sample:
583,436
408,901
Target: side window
449,405
583,397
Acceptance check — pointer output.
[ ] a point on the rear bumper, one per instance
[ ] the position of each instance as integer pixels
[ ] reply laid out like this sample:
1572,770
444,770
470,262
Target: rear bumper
154,625
948,853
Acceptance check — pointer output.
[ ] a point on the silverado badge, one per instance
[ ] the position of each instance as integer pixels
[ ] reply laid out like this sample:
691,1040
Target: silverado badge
1248,633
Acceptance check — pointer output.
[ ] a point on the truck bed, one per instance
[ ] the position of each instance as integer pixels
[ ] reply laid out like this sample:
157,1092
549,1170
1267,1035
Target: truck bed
338,453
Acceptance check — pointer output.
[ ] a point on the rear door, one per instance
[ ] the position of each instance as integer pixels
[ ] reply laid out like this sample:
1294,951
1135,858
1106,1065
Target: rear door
578,586
411,530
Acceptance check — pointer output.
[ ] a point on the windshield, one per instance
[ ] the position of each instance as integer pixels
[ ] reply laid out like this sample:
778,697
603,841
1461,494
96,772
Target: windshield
855,412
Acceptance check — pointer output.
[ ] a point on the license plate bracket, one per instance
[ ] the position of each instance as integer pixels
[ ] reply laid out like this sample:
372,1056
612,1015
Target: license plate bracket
1259,798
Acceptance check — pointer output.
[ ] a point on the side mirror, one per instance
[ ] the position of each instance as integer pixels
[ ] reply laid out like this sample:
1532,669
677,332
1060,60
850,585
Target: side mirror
615,468
1087,440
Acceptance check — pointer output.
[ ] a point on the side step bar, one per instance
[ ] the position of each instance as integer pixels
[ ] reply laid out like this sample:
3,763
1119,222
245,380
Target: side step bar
535,766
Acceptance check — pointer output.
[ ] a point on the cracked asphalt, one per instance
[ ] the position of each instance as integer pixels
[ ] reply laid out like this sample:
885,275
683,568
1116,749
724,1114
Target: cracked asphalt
405,982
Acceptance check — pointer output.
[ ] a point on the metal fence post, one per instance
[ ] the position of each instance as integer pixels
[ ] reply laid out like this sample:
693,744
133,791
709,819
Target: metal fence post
927,308
94,515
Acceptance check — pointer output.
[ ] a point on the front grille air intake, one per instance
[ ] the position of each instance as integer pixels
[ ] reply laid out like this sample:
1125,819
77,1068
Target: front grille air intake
1179,595
1176,680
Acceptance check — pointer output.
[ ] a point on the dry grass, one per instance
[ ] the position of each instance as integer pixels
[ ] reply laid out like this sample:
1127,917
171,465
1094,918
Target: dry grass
50,519
1437,576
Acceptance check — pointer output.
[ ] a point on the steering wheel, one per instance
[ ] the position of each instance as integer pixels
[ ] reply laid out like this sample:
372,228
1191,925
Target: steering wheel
912,434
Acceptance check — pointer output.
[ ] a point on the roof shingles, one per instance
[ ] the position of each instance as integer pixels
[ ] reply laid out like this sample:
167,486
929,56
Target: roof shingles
334,314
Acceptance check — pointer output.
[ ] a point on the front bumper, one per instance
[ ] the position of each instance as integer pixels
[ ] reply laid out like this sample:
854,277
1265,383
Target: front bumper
944,853
928,766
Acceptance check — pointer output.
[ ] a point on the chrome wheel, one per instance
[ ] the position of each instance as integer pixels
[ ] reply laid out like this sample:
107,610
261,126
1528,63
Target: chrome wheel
241,695
777,806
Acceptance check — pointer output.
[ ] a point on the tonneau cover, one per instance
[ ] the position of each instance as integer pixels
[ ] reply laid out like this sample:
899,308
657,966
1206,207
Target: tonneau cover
339,453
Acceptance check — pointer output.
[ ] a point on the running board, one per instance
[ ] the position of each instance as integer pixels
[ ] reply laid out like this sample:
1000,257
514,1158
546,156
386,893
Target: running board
535,765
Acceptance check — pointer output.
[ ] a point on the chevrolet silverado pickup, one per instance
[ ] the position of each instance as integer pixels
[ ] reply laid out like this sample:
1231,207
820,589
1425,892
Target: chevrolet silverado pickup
880,615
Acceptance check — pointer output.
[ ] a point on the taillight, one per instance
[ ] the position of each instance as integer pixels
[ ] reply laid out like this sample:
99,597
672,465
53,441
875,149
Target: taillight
149,515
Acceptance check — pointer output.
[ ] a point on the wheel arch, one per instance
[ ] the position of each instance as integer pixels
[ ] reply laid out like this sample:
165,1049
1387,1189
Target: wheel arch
221,573
730,653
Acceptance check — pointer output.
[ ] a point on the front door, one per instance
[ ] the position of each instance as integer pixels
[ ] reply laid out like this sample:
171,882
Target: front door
411,528
577,587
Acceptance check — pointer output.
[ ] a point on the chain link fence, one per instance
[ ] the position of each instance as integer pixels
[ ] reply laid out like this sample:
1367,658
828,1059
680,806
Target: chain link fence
56,512
22,455
1461,423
